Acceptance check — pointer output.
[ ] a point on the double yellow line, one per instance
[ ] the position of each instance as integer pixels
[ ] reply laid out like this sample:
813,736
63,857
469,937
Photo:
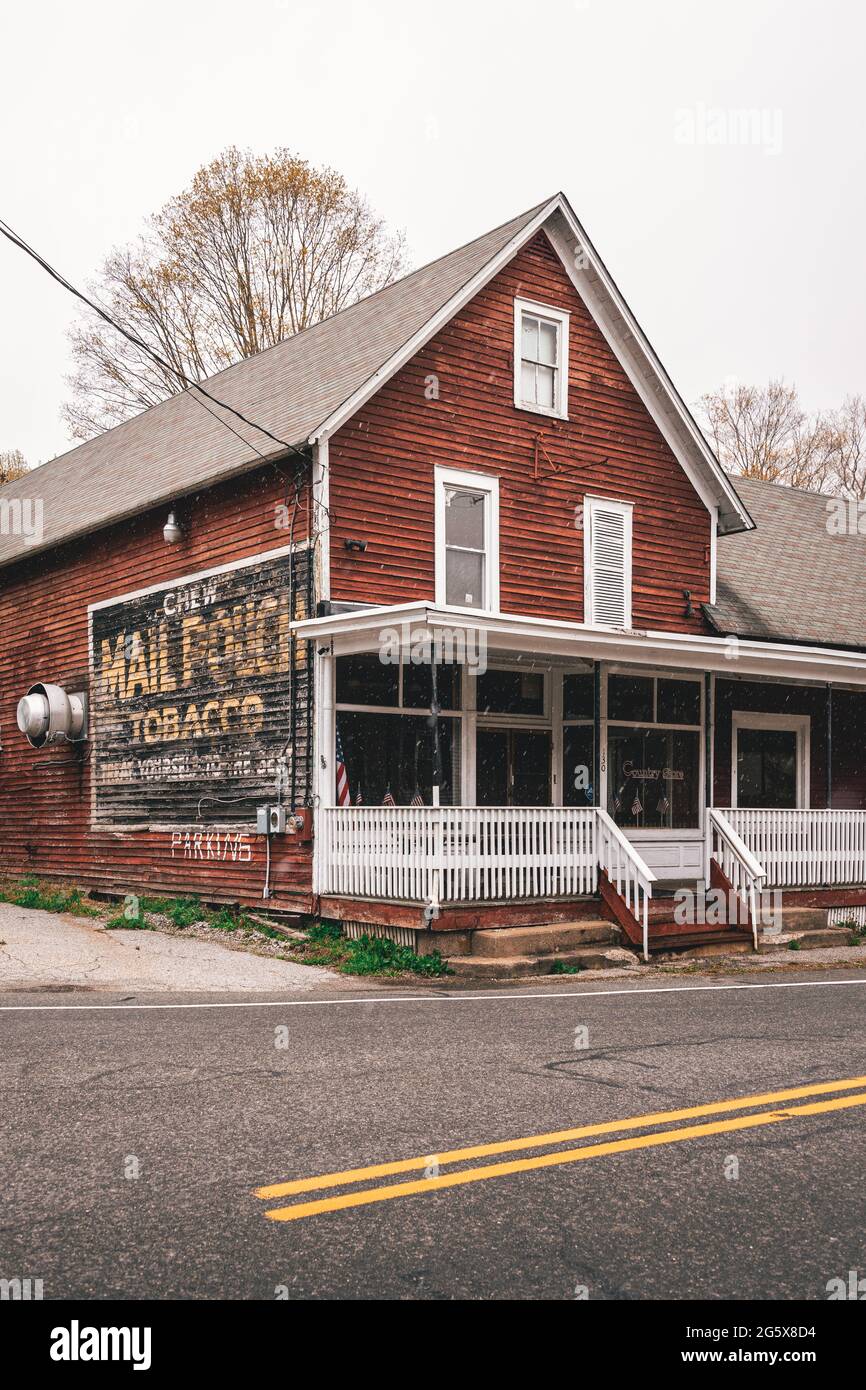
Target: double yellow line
364,1197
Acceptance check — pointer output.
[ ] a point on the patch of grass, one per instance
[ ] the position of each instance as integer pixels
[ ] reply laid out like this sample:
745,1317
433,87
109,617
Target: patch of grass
137,921
560,967
184,911
793,945
31,892
369,955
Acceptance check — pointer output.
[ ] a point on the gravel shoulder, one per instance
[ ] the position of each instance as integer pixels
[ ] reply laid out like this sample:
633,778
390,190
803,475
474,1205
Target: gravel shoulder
47,950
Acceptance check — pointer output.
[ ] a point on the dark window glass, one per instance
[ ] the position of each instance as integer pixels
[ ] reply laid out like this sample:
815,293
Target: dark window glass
767,768
394,752
578,759
416,685
510,692
630,697
679,702
365,680
653,779
512,767
578,697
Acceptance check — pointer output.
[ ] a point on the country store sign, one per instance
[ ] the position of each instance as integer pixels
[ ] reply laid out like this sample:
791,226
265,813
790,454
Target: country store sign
190,696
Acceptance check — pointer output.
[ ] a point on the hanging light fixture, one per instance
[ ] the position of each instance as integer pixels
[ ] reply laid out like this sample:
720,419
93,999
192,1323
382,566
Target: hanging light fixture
171,531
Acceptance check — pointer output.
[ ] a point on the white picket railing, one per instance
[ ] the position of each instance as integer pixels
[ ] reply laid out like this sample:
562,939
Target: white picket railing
805,849
745,873
452,854
628,873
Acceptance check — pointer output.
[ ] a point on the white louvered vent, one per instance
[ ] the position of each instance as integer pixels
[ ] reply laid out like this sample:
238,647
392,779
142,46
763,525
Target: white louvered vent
608,579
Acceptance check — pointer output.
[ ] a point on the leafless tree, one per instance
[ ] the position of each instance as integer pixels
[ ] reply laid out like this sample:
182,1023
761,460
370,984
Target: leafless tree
12,465
848,451
254,250
764,432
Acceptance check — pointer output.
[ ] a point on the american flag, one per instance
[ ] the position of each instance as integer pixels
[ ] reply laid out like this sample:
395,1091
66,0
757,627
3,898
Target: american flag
663,806
636,806
359,800
417,799
387,799
343,796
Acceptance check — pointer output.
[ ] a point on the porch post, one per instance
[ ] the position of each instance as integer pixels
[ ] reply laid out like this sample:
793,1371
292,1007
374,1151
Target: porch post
829,747
709,734
596,715
434,725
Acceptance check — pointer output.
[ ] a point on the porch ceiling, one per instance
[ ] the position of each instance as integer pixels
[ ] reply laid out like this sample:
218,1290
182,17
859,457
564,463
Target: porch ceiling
365,629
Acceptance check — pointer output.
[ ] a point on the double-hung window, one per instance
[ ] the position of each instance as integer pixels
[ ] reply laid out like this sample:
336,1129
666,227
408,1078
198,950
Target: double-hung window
540,358
467,539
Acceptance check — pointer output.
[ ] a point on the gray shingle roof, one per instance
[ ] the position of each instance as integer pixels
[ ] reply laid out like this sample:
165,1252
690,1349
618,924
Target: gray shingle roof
791,579
176,447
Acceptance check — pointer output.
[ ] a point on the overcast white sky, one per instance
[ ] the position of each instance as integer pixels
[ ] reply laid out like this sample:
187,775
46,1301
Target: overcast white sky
741,259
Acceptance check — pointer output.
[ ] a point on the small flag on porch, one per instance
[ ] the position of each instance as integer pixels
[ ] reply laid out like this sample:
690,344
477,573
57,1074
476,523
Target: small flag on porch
359,800
636,806
417,799
617,802
387,799
343,796
663,806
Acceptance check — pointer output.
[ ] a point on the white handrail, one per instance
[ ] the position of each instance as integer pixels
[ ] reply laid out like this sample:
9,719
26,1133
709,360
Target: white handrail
743,871
632,878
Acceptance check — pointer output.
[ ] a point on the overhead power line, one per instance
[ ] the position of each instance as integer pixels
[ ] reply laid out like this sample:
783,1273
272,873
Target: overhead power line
133,338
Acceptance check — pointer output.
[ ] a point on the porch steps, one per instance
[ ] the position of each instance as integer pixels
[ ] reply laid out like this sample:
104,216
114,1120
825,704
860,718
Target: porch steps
545,939
565,962
507,953
724,941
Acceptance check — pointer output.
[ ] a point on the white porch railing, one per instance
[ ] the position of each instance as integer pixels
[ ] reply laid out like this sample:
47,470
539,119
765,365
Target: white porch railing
805,849
452,854
737,862
628,873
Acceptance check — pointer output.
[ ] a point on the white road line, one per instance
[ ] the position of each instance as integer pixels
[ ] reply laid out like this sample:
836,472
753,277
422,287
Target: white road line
422,998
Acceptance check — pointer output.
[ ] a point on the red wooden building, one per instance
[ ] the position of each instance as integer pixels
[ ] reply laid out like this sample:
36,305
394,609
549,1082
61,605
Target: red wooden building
476,611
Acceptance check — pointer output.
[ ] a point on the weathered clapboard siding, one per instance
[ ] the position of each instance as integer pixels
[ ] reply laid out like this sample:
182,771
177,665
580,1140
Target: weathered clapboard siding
382,466
48,809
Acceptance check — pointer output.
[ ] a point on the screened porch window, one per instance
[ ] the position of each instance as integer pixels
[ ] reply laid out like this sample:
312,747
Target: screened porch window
385,734
392,755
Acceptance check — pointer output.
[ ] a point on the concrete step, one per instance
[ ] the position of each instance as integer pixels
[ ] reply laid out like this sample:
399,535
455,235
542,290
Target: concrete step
722,942
515,967
803,919
547,939
808,940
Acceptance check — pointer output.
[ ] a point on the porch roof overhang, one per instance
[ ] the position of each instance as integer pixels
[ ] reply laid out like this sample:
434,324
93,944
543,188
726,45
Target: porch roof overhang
366,629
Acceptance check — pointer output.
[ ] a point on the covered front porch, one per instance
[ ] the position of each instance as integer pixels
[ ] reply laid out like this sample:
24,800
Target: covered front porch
475,759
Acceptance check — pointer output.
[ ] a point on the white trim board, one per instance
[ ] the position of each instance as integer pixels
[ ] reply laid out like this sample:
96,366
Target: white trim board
358,629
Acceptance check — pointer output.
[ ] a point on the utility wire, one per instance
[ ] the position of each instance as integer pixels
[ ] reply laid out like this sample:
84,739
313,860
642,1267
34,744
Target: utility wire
133,338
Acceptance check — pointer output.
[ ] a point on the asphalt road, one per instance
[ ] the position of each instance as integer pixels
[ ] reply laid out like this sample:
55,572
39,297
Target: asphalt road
206,1104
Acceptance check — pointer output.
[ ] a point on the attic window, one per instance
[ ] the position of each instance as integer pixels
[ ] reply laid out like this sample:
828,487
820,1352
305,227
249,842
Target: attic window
540,358
607,562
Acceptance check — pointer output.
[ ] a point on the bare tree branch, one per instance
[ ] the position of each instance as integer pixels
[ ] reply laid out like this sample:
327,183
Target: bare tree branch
254,250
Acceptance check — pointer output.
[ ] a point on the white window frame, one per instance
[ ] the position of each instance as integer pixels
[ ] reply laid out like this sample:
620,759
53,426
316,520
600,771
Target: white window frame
561,318
799,724
462,479
590,504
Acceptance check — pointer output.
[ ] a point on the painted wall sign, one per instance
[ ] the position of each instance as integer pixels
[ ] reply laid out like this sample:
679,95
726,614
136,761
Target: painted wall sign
212,844
192,688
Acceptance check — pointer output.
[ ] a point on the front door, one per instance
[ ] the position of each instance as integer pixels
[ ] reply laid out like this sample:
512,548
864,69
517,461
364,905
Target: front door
512,767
